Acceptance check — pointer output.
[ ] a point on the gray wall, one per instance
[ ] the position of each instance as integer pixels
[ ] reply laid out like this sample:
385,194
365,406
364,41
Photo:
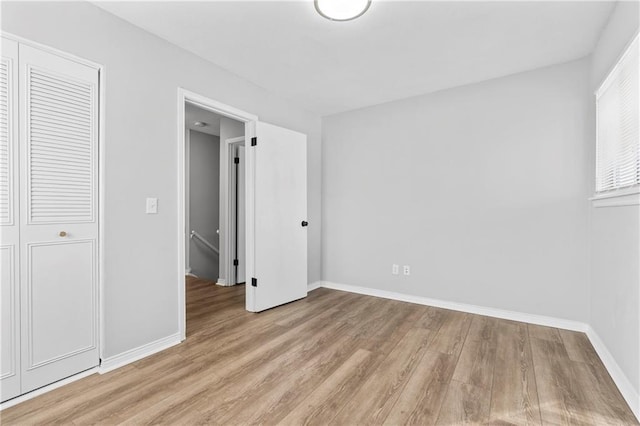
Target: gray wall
482,189
142,74
614,232
204,202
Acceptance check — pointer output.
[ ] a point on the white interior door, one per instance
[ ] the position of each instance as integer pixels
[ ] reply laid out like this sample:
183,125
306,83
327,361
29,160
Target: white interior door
59,217
276,217
9,224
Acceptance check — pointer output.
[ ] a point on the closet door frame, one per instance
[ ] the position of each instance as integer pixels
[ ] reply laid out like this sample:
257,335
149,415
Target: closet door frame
100,188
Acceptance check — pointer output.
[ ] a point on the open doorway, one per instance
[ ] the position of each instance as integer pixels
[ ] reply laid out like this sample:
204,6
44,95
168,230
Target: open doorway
202,193
273,242
212,209
214,197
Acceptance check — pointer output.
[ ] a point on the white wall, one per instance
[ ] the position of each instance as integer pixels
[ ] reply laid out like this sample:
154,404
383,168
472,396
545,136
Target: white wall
482,189
204,202
228,129
615,231
142,74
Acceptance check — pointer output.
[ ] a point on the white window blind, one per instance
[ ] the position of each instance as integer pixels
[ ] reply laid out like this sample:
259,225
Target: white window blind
618,140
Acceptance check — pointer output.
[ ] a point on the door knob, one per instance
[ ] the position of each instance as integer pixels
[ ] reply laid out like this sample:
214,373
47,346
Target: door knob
305,223
63,233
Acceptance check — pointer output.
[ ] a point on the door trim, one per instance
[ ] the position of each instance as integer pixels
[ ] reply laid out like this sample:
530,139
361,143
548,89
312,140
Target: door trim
100,173
229,224
249,121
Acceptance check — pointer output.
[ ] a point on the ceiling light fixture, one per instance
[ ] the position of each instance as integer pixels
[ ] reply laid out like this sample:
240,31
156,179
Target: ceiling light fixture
341,10
200,124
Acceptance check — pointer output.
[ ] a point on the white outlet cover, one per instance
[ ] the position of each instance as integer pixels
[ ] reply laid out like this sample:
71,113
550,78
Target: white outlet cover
406,269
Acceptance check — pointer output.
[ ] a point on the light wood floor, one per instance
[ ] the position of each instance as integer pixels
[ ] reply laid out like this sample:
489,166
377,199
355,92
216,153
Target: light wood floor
344,359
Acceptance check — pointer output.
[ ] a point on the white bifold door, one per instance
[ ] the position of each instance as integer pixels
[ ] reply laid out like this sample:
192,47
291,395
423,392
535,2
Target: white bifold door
9,224
53,286
277,166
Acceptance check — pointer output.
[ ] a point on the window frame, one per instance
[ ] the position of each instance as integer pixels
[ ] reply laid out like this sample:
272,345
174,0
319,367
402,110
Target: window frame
622,196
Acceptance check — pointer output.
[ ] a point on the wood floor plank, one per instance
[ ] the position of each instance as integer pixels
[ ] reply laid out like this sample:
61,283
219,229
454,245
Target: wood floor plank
514,396
464,404
389,330
237,385
578,347
477,359
432,318
321,404
93,398
561,395
345,359
260,378
48,405
451,335
421,399
144,393
484,328
298,312
544,333
476,363
271,400
606,405
240,340
371,407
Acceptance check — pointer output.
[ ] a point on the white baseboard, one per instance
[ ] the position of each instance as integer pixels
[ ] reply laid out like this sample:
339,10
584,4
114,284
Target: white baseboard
132,355
27,396
222,282
627,390
462,307
312,286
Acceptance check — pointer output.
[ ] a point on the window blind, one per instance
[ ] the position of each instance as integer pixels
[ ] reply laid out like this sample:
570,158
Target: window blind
618,140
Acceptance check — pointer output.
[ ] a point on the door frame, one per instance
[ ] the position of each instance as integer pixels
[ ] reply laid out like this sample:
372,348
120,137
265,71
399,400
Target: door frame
230,222
249,121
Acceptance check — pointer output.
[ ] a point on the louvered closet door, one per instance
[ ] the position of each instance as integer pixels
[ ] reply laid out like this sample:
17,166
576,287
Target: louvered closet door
9,224
59,228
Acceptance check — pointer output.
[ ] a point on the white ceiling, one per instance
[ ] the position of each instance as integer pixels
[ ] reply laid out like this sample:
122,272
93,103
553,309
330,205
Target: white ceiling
396,50
193,113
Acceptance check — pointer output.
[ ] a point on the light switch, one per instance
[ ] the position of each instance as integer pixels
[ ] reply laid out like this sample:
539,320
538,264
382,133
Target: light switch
152,205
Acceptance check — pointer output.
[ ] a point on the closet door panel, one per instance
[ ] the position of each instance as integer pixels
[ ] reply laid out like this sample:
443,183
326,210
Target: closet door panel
58,124
9,225
53,336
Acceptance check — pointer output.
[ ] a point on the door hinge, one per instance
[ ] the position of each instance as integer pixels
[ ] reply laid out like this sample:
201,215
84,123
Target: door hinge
254,141
236,160
235,262
254,282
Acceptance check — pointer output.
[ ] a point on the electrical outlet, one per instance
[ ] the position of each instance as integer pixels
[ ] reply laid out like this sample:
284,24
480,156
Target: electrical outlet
152,205
395,269
406,270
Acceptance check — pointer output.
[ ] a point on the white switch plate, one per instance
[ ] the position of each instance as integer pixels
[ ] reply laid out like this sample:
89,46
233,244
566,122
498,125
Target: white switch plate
406,269
395,269
152,205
